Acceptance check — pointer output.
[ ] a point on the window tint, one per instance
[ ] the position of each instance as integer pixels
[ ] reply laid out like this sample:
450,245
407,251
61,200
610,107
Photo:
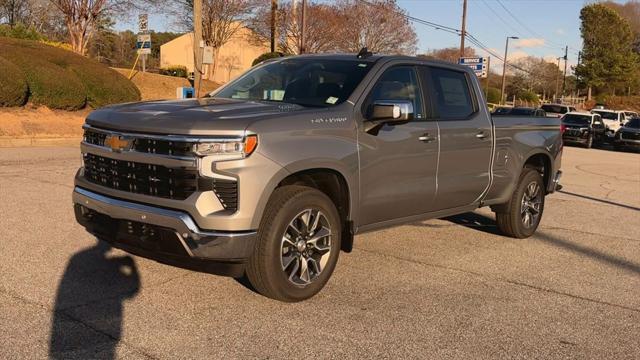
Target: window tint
399,83
451,94
557,109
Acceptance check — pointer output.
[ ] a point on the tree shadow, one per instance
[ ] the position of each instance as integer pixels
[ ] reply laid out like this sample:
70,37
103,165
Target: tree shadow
92,291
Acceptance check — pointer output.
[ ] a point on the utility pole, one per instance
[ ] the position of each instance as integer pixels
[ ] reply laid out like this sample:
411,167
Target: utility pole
564,78
274,21
303,27
488,72
197,50
504,68
463,32
555,95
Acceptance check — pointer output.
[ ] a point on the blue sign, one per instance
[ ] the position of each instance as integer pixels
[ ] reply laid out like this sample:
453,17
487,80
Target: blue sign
477,64
471,60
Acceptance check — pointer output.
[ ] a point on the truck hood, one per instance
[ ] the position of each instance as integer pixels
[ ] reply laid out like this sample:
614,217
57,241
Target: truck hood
204,116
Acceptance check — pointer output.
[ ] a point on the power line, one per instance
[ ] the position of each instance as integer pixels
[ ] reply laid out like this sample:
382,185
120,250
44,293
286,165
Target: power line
455,31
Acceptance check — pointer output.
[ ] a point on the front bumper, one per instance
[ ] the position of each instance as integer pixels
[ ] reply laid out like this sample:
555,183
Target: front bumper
165,235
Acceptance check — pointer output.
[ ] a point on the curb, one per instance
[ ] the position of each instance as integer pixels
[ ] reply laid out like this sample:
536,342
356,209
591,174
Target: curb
6,142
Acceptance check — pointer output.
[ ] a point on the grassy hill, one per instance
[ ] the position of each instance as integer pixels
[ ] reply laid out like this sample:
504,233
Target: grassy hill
31,71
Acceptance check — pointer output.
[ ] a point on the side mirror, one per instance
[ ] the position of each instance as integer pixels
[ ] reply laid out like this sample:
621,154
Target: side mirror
391,111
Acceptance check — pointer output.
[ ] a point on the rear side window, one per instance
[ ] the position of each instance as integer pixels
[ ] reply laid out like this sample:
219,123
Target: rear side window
451,94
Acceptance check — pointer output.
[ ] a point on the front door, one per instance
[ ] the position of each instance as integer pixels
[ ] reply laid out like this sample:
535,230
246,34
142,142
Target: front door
397,163
465,138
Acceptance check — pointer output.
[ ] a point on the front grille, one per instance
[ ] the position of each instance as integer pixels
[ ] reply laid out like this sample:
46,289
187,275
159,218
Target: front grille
139,178
227,193
144,145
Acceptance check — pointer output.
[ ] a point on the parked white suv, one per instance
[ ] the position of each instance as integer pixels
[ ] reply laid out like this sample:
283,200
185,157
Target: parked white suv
613,119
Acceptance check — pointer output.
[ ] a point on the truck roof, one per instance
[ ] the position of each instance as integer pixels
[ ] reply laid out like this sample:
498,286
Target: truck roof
371,58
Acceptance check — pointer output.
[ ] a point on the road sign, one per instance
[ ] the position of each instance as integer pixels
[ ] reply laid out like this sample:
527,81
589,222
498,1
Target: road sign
477,64
144,44
207,55
143,23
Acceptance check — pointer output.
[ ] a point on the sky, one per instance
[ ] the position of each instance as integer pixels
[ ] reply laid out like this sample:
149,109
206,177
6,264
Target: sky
544,27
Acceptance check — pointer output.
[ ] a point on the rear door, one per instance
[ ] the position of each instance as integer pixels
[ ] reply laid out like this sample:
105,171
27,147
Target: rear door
465,137
398,163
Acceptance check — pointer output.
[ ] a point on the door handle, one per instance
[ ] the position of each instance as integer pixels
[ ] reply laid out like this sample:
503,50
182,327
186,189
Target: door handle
481,135
426,138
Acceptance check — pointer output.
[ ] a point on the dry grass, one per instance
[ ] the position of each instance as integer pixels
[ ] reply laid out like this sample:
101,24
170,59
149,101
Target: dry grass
40,122
157,87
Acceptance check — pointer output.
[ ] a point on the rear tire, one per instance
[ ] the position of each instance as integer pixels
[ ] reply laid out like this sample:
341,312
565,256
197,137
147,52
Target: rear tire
297,246
520,217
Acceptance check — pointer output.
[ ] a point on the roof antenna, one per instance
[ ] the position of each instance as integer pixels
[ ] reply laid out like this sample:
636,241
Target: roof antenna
364,53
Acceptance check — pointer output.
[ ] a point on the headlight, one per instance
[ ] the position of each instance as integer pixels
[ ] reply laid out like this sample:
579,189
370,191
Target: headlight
227,150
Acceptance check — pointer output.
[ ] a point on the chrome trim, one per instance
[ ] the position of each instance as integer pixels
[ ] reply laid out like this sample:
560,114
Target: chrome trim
179,138
141,157
179,221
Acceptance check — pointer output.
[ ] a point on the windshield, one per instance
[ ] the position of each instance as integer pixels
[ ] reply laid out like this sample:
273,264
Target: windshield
607,115
306,82
558,109
633,123
577,119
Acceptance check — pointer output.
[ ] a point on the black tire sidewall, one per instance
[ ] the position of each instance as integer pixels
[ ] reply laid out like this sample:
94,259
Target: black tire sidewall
308,198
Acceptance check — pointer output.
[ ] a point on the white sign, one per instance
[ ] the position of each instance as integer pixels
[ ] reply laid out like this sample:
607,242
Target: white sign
143,23
207,55
143,44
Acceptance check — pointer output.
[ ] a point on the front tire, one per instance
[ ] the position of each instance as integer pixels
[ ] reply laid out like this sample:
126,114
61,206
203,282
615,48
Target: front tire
520,217
298,244
589,142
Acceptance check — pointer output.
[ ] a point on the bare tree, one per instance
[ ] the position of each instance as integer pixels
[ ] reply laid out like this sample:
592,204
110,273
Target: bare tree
450,54
14,11
80,18
379,25
322,21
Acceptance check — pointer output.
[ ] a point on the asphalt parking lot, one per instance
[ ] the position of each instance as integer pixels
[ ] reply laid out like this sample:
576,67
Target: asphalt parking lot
450,288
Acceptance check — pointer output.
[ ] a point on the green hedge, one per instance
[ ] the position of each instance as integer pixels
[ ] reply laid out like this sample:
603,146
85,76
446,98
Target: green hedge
61,79
13,86
266,56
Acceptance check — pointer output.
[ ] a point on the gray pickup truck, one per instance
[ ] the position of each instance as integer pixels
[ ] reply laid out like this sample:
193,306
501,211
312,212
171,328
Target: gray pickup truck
273,174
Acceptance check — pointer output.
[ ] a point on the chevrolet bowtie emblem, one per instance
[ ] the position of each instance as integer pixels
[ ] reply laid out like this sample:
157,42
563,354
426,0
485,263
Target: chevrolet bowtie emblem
117,143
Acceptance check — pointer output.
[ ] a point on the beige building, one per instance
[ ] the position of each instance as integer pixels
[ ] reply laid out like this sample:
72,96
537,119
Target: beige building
234,57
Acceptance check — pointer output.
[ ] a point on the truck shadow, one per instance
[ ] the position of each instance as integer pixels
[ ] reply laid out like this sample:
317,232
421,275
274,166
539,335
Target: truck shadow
485,224
87,318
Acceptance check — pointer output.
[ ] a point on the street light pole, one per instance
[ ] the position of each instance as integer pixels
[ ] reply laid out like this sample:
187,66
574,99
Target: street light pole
504,68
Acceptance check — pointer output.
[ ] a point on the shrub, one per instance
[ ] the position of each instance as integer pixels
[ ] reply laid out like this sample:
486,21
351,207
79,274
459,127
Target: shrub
13,86
177,71
61,79
19,31
493,96
267,56
529,96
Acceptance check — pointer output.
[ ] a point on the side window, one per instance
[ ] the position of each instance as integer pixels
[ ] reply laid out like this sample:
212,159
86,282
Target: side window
451,94
399,83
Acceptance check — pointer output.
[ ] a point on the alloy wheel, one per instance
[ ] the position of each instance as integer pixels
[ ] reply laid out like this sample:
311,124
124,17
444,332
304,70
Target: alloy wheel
306,247
531,204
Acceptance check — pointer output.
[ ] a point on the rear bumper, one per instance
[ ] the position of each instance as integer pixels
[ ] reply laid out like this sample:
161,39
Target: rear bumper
165,235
